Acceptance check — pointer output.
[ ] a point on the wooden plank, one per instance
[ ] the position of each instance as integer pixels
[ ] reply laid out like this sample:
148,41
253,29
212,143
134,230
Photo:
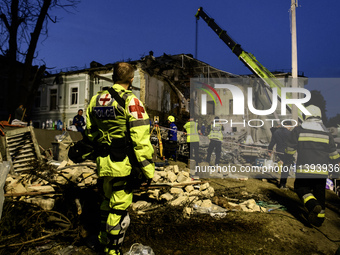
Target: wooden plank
35,143
23,151
18,131
22,169
27,146
27,155
29,194
23,160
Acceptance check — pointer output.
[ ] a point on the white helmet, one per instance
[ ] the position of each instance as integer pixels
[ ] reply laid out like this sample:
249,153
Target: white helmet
314,110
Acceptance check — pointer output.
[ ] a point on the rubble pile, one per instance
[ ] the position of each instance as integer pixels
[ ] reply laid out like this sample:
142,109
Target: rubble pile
41,187
170,185
249,205
175,187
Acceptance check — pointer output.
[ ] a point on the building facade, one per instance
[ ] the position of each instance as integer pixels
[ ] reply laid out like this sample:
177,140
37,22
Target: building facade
163,85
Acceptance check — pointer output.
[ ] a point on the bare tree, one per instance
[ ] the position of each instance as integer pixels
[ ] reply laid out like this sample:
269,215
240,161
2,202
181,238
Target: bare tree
22,22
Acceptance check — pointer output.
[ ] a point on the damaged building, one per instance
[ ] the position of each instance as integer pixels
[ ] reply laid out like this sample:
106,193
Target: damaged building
163,85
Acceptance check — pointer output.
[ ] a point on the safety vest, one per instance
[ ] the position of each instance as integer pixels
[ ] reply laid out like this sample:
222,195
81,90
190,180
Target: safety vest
192,133
315,149
216,132
109,122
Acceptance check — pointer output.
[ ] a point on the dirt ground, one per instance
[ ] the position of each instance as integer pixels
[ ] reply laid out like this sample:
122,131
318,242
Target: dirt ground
281,231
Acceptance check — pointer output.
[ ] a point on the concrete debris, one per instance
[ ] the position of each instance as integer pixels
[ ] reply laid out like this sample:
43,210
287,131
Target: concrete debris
182,191
205,207
46,204
46,188
175,190
249,205
166,196
171,185
154,194
189,188
41,191
140,205
181,200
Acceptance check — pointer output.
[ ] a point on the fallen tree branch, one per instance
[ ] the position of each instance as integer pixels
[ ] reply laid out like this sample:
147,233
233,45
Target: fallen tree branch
9,237
177,184
43,237
166,185
35,240
71,166
30,194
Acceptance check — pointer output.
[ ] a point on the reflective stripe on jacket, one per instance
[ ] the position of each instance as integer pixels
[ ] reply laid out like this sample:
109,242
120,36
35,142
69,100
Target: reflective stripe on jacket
107,123
216,132
315,150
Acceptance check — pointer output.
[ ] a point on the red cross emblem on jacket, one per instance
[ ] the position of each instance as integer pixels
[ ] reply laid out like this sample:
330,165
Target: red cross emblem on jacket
105,99
136,108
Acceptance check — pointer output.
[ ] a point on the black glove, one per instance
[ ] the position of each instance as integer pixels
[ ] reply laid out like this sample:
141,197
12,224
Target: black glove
81,150
146,184
136,178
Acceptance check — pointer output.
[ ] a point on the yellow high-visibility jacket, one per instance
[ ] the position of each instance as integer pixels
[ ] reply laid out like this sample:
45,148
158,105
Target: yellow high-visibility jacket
192,132
216,132
110,124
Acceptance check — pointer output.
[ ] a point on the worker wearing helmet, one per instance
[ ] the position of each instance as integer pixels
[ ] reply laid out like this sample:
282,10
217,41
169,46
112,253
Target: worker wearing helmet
216,138
119,126
171,146
173,129
315,149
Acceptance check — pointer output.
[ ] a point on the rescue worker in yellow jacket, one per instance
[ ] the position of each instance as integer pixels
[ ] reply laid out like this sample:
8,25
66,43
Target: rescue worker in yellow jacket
118,123
315,149
216,138
193,139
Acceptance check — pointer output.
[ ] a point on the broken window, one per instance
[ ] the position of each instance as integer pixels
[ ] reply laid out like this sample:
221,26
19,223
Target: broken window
53,99
74,96
210,108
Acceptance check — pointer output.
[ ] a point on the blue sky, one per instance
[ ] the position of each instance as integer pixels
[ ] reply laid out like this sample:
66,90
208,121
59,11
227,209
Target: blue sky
107,31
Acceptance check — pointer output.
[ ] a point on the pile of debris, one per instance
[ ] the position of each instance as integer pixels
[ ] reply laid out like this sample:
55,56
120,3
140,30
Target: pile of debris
40,186
175,187
170,185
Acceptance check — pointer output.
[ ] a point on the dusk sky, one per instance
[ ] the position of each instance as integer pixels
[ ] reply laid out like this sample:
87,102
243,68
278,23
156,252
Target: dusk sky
107,31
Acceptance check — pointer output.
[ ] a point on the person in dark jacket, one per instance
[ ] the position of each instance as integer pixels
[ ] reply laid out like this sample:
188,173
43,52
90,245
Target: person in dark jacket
203,129
317,157
79,121
20,113
172,139
279,138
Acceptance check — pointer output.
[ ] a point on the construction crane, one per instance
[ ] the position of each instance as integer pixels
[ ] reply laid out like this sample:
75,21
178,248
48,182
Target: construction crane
247,58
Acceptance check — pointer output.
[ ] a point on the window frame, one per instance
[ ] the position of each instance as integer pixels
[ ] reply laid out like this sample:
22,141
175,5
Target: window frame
49,98
72,86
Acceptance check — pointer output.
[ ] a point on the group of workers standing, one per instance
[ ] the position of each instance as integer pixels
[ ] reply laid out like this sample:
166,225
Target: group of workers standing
193,132
316,158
